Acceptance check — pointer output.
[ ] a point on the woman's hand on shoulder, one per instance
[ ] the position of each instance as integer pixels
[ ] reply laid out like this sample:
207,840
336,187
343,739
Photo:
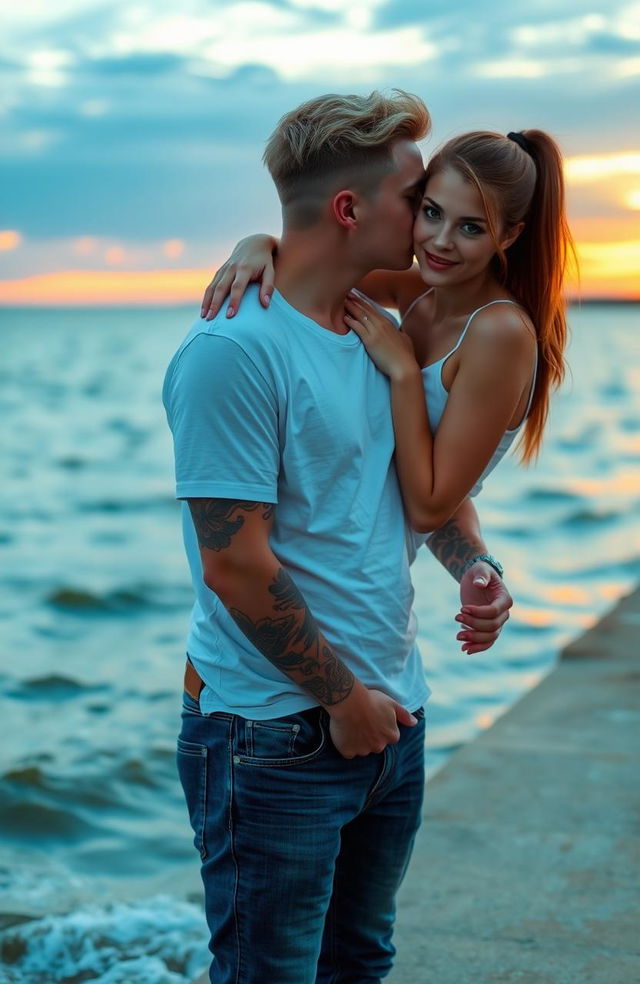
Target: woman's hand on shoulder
390,349
250,262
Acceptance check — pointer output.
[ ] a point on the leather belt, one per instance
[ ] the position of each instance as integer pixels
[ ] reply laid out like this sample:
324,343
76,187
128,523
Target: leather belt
193,683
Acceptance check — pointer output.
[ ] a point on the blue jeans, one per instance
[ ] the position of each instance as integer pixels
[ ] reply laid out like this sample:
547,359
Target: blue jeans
302,850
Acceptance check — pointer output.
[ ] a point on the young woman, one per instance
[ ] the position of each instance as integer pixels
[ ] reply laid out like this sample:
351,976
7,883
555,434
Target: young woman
483,327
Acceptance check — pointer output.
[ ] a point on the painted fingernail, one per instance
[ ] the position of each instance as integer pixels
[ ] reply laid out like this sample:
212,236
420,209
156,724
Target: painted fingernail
267,300
230,312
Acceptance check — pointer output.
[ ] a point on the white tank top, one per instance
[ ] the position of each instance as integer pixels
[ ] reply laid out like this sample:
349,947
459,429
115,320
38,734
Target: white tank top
437,395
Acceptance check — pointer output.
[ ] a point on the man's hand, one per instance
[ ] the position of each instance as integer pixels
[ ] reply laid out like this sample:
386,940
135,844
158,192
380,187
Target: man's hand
485,603
367,721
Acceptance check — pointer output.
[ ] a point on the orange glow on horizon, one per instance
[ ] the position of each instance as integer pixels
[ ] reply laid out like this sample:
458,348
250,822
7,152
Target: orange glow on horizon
608,254
106,287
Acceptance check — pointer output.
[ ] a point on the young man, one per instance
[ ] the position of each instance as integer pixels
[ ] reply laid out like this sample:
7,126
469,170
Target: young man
301,751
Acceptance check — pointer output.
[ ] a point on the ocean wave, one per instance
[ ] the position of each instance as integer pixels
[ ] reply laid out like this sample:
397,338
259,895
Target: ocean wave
52,686
99,788
158,940
72,462
21,820
147,504
94,797
590,517
81,600
78,599
125,600
548,494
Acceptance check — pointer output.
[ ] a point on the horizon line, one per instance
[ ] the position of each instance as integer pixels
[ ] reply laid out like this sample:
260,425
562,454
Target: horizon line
142,302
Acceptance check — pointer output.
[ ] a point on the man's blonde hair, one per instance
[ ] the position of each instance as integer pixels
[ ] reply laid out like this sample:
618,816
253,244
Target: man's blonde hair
334,140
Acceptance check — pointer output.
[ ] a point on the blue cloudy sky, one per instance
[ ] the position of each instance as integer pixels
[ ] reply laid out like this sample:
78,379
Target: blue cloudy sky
131,133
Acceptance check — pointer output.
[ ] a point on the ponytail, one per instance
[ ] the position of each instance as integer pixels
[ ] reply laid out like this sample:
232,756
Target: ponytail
535,270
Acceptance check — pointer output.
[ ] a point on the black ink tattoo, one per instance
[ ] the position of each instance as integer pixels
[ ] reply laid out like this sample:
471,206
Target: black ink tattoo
289,598
452,548
218,520
292,641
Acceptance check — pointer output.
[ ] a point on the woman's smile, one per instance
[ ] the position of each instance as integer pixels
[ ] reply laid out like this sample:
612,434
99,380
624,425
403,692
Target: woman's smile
438,262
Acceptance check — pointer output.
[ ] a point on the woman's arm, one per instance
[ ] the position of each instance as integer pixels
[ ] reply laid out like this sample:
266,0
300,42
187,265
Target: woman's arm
484,597
437,472
252,261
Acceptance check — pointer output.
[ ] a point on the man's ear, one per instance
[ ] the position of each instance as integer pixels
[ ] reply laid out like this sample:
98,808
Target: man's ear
512,235
343,208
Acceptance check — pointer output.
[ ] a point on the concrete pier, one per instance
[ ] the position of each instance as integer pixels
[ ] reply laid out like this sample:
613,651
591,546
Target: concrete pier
526,867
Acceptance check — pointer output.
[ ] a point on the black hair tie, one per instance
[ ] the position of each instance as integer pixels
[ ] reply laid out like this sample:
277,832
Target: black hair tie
521,141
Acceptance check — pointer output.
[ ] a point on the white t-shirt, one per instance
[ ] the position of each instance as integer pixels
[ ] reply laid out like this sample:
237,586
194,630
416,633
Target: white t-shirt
271,407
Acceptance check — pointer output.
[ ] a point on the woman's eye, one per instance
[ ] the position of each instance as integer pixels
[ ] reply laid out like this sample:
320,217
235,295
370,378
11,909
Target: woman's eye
431,212
472,229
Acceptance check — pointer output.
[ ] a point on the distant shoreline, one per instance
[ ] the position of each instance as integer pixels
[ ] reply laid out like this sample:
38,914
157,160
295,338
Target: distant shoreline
572,302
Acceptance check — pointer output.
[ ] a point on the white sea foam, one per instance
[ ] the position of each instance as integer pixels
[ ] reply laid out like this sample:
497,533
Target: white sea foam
158,940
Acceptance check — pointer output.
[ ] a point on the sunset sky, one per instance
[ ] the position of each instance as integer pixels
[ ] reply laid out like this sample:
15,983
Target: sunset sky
131,133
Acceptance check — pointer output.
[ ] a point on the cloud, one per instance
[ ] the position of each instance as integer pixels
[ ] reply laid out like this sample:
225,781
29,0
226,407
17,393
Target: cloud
150,121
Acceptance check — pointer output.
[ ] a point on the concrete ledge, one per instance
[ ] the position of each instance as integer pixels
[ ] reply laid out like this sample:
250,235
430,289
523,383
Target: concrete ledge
526,868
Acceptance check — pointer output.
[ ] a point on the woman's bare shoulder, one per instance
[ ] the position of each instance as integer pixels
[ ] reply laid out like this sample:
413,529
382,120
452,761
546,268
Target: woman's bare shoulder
504,322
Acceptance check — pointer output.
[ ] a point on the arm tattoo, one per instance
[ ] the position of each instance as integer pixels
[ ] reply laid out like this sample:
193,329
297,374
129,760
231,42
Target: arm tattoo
218,520
292,641
452,548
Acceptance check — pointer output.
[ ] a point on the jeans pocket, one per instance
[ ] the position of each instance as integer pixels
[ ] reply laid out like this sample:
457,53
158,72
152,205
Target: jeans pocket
281,741
192,771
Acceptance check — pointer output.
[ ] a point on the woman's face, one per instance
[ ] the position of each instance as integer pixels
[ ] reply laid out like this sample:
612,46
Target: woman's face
451,236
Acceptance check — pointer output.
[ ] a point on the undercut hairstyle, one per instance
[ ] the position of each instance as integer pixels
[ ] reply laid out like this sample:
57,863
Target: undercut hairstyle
335,141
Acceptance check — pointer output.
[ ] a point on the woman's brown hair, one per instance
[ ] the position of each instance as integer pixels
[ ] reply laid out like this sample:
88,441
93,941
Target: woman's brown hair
520,179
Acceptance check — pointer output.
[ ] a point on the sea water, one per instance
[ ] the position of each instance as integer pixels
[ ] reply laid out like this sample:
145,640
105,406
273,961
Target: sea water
98,876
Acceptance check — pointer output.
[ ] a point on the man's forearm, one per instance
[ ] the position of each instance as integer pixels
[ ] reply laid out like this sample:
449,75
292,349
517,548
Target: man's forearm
458,540
272,613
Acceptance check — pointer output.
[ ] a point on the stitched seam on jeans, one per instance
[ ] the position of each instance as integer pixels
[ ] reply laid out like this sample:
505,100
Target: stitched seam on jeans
385,774
264,763
205,765
333,949
196,750
233,855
